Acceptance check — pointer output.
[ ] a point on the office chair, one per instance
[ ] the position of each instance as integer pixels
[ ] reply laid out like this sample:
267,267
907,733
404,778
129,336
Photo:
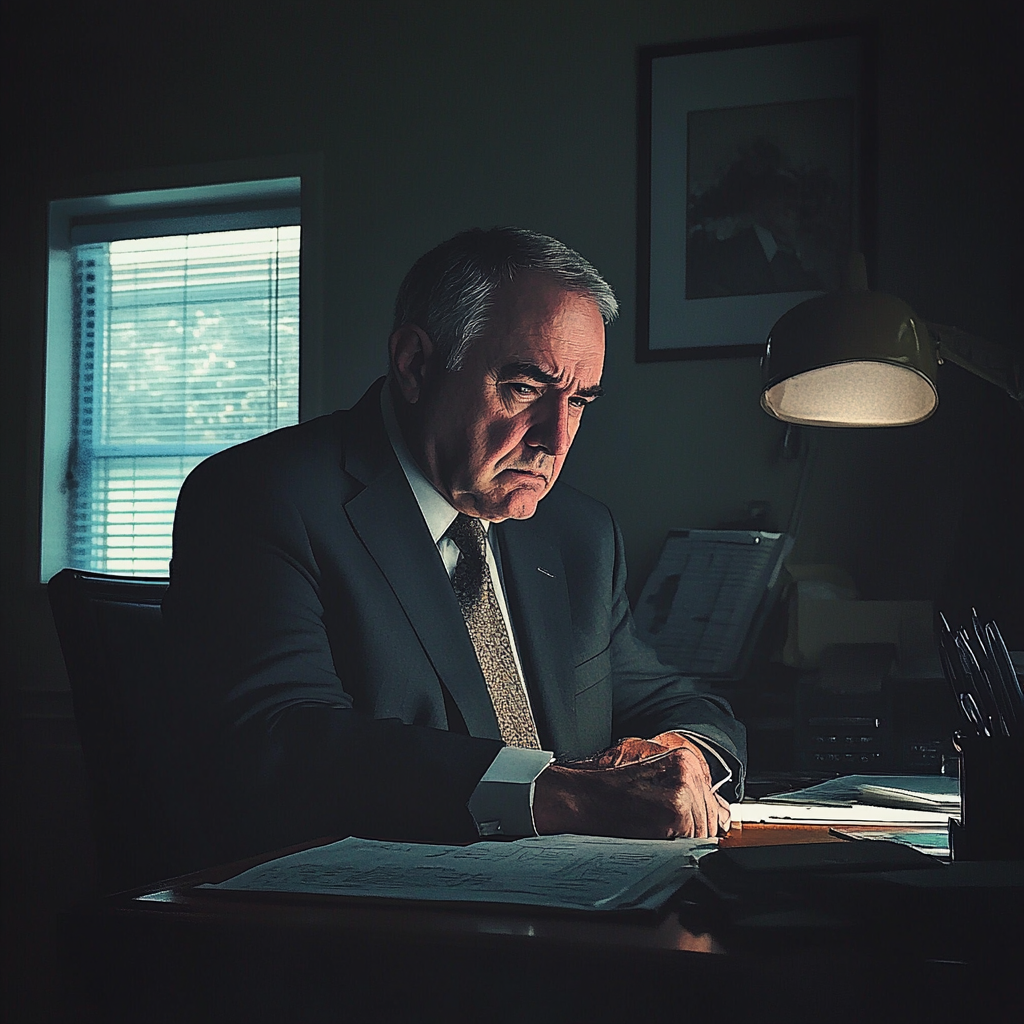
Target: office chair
110,630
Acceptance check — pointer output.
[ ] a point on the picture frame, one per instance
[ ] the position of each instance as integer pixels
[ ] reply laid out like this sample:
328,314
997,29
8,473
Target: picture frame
756,180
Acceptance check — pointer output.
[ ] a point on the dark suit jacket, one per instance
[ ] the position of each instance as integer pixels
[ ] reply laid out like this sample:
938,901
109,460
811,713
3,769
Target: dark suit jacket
326,681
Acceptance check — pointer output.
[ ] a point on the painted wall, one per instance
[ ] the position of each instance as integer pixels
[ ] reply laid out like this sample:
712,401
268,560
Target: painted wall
432,117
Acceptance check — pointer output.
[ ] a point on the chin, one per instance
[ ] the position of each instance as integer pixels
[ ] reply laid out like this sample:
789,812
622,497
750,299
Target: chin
522,510
521,505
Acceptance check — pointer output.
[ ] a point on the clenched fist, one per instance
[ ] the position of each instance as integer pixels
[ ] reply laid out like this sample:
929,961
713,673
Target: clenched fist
638,789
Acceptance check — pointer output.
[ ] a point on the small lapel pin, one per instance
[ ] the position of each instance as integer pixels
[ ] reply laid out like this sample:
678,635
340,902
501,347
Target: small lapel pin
546,573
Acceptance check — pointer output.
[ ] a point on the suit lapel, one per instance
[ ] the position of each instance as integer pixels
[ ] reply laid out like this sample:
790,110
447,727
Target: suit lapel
539,602
388,521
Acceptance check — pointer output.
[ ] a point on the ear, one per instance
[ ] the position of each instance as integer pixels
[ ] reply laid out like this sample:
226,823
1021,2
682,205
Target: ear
411,351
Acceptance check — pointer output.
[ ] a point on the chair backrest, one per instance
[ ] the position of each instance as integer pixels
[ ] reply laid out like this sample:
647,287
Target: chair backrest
110,630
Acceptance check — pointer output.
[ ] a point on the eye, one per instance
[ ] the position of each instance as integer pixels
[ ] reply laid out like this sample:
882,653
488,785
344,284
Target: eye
523,390
579,402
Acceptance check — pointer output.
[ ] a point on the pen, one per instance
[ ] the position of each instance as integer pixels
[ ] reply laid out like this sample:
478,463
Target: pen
950,658
949,671
978,666
952,666
970,709
982,689
1000,657
986,665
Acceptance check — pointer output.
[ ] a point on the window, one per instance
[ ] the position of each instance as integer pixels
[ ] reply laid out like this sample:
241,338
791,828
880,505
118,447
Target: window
173,333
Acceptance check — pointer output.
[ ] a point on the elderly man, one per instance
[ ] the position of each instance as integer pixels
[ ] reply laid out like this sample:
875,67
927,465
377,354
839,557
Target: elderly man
393,621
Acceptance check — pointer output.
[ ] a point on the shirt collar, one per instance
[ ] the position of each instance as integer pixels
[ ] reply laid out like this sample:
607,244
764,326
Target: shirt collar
437,512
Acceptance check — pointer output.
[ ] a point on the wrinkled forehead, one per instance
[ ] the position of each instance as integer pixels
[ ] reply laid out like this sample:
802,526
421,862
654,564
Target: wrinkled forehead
534,315
531,299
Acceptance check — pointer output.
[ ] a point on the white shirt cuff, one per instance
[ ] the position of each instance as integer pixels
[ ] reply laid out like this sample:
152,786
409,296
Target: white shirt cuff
502,803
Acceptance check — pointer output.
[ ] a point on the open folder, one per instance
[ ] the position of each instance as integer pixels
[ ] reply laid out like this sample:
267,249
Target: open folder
568,872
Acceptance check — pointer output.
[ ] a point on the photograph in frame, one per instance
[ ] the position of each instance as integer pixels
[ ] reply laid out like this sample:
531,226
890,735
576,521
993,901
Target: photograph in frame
754,186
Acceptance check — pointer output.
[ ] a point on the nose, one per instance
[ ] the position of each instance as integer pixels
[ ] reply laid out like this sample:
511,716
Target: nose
550,428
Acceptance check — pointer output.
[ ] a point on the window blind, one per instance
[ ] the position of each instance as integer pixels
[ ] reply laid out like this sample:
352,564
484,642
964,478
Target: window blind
186,344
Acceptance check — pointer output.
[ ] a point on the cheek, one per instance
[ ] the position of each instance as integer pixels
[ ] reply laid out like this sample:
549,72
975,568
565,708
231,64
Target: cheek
503,437
574,426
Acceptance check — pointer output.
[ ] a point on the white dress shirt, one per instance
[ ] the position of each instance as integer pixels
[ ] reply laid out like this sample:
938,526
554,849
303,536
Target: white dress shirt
502,803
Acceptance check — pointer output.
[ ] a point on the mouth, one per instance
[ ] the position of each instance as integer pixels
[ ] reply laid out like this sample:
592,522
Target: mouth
526,475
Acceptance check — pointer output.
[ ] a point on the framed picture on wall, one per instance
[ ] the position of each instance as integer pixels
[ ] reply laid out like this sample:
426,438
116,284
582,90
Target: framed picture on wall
756,174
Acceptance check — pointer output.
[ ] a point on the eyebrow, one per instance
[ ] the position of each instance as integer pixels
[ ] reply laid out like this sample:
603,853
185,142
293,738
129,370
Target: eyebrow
531,371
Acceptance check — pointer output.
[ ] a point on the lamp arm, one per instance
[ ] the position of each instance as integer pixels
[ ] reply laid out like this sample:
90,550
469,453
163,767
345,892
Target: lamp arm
985,359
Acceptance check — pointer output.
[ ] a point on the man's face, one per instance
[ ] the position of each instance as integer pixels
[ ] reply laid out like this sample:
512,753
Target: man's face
492,435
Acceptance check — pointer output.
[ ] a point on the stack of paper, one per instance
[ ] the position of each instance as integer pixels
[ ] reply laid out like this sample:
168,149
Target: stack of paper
941,795
928,840
570,872
861,800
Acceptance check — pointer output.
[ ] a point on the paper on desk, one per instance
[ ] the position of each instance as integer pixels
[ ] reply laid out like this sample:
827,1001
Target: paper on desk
922,792
927,840
570,872
899,796
833,814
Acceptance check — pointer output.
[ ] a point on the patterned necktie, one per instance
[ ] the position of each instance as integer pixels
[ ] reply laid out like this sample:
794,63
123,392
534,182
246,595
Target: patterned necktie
475,592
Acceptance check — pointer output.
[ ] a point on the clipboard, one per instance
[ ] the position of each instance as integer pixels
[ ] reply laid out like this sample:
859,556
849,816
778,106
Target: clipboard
704,605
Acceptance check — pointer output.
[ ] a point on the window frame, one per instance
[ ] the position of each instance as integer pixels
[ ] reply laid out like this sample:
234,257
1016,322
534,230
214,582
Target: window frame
183,194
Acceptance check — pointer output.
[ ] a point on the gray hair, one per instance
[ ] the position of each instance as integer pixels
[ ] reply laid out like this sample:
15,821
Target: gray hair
450,290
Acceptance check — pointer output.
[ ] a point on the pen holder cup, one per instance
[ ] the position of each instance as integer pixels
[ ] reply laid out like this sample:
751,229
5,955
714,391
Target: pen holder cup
991,825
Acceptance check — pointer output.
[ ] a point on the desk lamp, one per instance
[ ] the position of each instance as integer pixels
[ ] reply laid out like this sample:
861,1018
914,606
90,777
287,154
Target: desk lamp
856,358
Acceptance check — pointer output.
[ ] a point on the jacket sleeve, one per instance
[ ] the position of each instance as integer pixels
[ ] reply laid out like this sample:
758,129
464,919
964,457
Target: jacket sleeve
273,751
650,697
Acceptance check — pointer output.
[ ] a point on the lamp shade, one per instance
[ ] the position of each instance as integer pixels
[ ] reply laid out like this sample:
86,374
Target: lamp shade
850,359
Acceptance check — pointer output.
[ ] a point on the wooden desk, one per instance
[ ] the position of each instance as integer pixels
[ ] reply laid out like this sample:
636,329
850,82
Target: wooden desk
179,953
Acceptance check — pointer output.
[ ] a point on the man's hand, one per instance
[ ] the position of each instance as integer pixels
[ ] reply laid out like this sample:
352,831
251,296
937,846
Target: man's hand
639,789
